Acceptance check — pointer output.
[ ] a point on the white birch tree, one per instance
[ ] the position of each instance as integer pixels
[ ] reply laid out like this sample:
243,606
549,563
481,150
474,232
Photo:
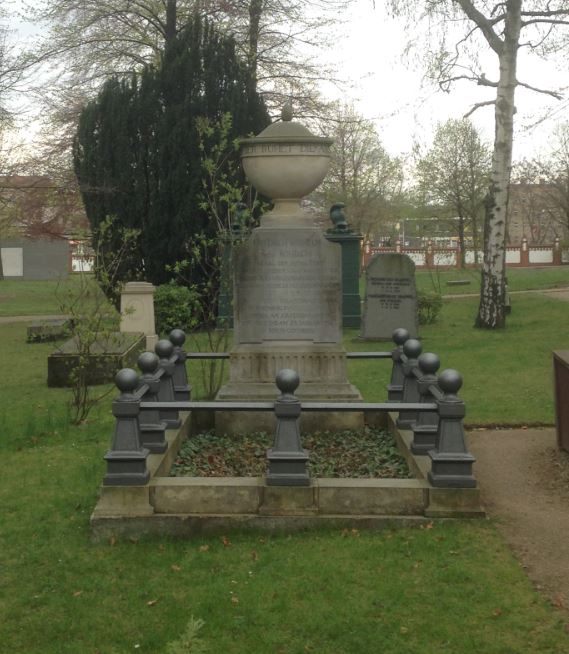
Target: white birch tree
504,28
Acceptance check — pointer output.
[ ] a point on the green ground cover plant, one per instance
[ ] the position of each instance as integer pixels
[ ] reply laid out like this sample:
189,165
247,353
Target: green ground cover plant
371,453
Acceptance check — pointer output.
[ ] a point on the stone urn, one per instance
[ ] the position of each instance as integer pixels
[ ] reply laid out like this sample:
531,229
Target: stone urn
286,162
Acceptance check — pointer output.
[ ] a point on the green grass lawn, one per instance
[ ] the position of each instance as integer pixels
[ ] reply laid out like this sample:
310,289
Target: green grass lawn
519,279
449,588
26,298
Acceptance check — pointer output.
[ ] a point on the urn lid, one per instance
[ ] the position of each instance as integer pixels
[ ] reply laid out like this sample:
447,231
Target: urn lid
286,130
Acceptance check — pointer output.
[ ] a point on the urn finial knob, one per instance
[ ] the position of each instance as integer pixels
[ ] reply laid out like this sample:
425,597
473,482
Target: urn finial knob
286,112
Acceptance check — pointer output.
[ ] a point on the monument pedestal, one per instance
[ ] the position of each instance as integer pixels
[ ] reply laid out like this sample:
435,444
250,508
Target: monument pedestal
288,315
323,378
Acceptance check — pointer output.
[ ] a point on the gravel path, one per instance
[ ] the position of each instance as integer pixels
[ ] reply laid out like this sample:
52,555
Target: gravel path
524,481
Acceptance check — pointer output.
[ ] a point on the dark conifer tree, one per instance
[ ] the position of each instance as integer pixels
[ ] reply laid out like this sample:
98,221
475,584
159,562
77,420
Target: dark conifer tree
137,153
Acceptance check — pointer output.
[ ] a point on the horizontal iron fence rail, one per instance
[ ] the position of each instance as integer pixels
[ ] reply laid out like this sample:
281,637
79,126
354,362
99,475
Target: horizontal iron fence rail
305,406
349,355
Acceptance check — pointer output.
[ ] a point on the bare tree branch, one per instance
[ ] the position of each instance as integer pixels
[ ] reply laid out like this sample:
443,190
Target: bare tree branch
478,105
553,94
483,23
544,20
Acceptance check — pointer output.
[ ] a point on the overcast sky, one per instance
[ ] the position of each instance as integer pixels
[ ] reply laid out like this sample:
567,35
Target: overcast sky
369,55
407,108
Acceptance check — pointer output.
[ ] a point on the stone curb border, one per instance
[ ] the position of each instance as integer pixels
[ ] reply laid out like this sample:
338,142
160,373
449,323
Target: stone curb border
192,506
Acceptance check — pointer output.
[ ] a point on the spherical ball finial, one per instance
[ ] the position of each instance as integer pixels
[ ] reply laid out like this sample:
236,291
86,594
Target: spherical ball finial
400,335
287,381
450,381
429,363
412,348
126,380
177,337
148,362
164,348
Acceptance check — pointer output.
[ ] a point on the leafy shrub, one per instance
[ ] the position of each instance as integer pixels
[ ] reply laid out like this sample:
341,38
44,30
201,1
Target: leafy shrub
429,305
175,307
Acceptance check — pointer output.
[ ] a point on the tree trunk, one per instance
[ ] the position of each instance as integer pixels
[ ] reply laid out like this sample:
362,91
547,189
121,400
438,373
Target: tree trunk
461,244
255,13
491,313
475,239
171,20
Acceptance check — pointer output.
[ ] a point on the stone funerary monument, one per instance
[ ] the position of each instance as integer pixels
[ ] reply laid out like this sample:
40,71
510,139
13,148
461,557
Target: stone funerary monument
287,288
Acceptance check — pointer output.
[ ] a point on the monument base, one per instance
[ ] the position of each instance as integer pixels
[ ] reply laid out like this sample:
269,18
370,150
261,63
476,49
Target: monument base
322,371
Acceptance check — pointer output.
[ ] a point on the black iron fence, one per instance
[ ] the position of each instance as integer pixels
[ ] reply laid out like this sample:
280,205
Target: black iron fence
427,404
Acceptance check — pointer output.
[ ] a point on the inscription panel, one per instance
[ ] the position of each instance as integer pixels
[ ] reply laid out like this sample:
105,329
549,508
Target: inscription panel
256,149
287,288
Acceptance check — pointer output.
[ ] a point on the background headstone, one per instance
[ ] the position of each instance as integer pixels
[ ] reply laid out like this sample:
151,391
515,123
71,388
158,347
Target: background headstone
390,297
137,311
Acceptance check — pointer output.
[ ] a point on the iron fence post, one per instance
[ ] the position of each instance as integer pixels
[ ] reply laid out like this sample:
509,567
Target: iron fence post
152,429
126,460
395,386
165,349
451,462
182,388
426,426
287,460
411,349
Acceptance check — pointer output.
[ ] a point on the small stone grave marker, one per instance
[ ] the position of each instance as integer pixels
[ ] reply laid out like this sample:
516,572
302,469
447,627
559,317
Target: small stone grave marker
390,298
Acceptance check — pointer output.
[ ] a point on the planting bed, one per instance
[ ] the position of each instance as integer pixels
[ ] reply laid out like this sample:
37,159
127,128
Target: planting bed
367,453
